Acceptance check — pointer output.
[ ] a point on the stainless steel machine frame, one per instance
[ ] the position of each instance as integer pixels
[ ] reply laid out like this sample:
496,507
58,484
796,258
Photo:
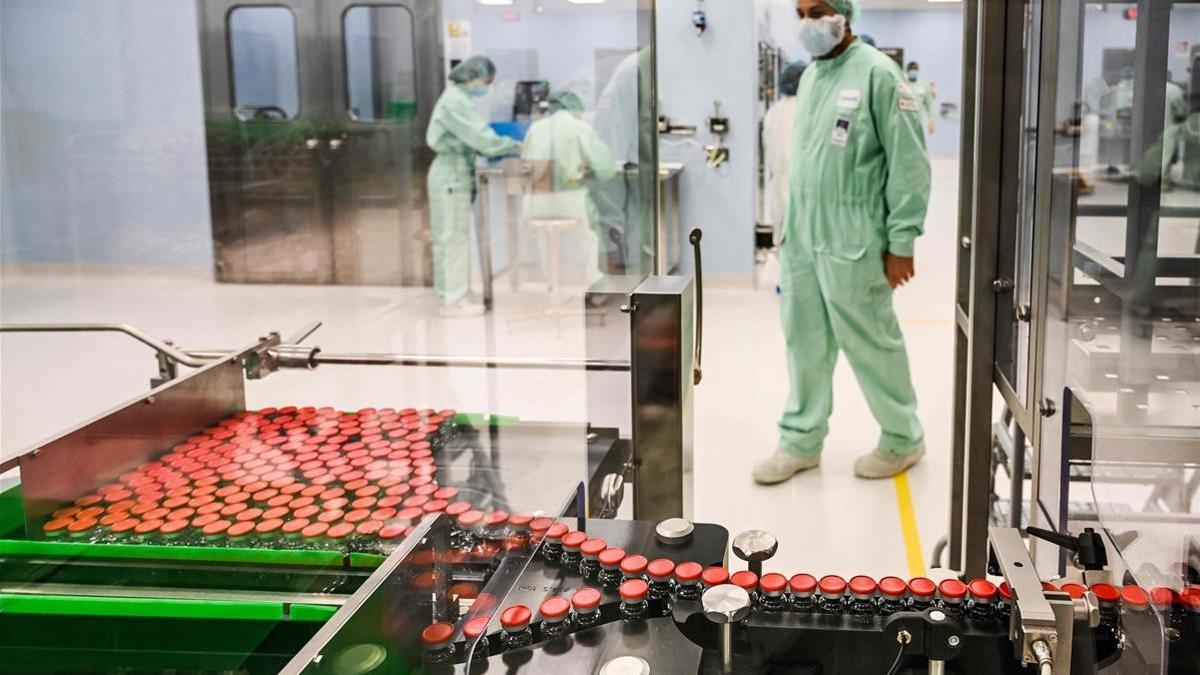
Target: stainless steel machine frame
1019,257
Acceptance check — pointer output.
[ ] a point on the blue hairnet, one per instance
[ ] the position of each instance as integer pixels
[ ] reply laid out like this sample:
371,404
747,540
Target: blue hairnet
565,100
789,79
847,8
868,39
474,68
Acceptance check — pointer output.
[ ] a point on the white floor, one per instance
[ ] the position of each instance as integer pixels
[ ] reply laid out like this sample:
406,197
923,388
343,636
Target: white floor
826,520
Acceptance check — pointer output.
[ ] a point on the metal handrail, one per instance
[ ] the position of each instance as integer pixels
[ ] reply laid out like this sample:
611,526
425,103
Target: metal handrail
159,346
311,357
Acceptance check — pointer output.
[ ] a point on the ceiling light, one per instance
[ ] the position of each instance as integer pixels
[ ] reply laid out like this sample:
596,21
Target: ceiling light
495,2
586,2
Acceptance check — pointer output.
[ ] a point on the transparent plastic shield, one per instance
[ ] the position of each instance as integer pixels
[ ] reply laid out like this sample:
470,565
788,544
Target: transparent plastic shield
444,577
1125,187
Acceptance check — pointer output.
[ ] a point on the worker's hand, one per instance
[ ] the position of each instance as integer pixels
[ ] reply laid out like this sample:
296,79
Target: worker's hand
932,128
899,270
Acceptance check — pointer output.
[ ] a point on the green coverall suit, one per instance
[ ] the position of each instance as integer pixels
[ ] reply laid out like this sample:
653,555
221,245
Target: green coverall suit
577,152
859,187
922,91
457,133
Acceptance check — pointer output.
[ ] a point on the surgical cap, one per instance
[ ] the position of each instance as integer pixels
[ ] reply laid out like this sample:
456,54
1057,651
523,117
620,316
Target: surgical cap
789,79
565,100
474,68
847,8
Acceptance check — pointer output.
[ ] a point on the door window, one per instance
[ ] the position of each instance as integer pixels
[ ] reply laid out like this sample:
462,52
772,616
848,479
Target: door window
381,80
262,50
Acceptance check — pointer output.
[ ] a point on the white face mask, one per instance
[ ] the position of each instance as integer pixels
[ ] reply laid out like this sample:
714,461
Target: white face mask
820,36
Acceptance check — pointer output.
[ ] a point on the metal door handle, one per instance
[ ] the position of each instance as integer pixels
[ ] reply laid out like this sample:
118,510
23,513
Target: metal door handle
694,237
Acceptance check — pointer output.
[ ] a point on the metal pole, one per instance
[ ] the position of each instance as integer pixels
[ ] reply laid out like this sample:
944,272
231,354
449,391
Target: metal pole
1016,489
157,345
498,362
727,647
485,238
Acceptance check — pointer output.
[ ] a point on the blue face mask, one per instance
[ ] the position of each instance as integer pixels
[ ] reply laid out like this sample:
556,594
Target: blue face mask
912,75
477,92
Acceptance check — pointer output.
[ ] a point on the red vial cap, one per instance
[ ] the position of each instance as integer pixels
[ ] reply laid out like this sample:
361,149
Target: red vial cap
1076,591
476,627
240,529
216,527
173,526
340,530
862,585
660,569
456,509
634,565
952,589
832,584
715,576
688,572
315,530
802,584
1190,598
296,525
515,618
470,519
1005,591
269,525
557,531
892,587
555,608
369,527
585,599
634,590
541,525
1134,595
437,635
592,548
57,524
573,540
773,582
982,589
124,525
496,518
1047,586
1162,596
611,558
144,527
521,520
389,532
746,579
920,587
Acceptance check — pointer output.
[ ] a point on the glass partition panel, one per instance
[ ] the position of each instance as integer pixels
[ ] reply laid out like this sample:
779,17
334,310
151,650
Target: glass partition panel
284,251
262,48
380,62
1128,336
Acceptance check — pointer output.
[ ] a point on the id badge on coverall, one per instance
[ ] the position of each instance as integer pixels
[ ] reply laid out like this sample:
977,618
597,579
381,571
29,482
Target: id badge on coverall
841,131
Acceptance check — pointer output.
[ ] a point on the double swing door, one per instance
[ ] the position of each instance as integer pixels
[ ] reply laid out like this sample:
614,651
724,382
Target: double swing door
315,114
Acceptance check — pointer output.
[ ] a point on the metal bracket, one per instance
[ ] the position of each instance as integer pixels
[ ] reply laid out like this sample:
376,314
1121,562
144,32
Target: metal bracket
1042,624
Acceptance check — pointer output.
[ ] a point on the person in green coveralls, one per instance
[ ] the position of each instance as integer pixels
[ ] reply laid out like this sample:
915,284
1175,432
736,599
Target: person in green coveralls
859,189
922,90
458,133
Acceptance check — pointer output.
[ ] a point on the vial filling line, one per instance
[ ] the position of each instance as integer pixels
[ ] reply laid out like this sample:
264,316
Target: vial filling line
183,531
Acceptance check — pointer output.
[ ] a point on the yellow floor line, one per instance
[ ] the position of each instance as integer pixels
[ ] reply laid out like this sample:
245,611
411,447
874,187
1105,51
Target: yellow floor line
908,525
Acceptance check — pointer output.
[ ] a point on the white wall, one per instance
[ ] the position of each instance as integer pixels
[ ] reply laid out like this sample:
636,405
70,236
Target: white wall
103,142
692,73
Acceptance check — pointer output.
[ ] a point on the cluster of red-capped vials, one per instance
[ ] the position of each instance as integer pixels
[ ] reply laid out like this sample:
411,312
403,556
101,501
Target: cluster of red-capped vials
276,478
